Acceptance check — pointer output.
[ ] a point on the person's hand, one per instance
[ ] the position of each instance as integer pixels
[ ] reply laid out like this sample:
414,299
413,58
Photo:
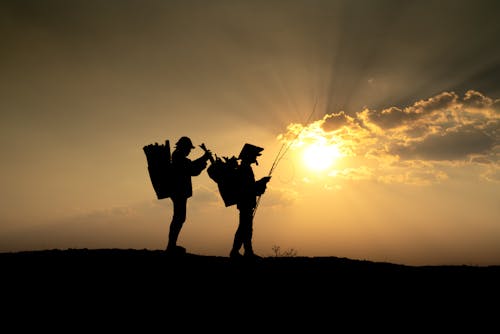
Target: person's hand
266,179
208,155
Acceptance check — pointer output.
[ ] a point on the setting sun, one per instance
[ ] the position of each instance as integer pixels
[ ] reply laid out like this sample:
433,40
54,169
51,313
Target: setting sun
319,157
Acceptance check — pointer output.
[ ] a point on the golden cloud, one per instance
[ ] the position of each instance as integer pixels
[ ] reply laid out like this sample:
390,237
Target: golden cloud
417,142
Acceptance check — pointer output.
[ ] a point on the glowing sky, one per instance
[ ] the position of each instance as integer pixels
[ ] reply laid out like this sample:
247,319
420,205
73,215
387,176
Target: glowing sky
389,109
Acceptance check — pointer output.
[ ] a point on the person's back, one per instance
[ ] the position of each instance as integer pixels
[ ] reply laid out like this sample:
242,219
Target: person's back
246,186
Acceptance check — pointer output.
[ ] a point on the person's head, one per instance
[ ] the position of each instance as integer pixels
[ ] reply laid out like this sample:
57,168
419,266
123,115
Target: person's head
249,153
184,144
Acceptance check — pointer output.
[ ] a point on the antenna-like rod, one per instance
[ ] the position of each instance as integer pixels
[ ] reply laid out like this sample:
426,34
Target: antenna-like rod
284,149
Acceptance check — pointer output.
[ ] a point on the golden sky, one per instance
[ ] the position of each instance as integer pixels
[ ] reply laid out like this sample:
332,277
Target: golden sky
389,111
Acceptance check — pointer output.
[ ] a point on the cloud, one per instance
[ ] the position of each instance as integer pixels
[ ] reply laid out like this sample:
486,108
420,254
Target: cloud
414,142
333,121
496,106
417,177
453,145
492,173
475,99
393,117
279,196
360,173
206,195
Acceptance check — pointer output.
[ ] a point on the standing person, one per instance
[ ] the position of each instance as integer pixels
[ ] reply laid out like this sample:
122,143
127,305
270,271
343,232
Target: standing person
249,189
182,188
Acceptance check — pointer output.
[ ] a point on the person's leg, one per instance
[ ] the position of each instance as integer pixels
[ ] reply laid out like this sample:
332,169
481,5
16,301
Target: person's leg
244,232
238,239
246,218
178,219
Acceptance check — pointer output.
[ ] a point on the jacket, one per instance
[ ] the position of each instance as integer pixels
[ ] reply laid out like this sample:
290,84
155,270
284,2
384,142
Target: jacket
183,169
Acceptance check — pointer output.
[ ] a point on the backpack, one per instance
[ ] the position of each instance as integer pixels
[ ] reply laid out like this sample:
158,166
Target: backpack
224,172
160,168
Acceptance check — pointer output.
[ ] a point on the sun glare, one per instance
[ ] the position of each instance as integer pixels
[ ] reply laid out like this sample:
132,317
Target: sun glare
319,157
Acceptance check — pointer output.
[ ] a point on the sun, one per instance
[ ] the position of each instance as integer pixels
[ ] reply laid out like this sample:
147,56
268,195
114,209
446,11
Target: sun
319,157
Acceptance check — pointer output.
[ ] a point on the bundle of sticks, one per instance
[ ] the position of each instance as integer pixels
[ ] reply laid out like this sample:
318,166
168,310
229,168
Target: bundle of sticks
159,165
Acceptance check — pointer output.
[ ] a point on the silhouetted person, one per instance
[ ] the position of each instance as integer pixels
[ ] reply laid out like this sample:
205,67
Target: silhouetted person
183,169
248,190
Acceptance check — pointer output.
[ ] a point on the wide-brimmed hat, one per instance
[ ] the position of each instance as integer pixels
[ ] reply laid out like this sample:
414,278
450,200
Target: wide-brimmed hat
250,151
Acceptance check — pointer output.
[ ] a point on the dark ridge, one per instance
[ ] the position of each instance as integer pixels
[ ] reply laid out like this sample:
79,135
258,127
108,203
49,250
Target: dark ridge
282,291
146,256
114,261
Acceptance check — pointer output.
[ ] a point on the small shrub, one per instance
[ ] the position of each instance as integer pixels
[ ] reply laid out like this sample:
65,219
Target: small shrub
287,253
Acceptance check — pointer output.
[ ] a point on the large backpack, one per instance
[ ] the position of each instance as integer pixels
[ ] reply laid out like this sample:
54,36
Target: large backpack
224,172
160,168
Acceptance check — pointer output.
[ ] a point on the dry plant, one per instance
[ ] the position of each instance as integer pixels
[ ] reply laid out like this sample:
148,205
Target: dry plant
287,253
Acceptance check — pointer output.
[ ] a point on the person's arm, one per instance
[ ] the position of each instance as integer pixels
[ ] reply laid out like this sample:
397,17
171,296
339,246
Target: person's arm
198,165
261,185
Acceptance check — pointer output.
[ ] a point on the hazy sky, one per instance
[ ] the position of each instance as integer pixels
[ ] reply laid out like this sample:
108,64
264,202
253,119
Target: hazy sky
390,111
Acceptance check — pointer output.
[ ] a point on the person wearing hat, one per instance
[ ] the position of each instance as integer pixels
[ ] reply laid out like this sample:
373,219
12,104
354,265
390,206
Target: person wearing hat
182,188
249,189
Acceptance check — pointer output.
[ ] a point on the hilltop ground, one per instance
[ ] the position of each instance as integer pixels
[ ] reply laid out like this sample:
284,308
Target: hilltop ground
296,285
154,264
